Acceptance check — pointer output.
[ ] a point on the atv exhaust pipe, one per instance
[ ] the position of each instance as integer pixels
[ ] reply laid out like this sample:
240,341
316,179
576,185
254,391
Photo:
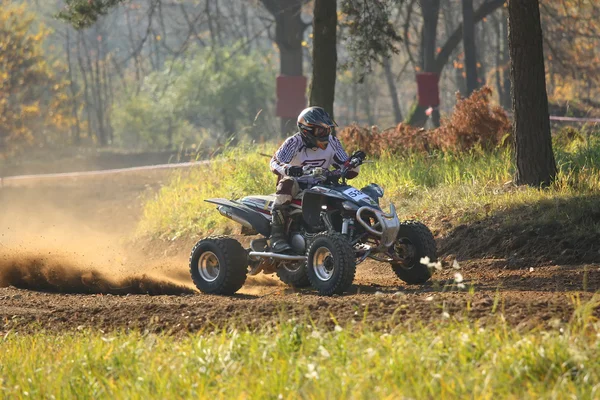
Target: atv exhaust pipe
276,256
226,212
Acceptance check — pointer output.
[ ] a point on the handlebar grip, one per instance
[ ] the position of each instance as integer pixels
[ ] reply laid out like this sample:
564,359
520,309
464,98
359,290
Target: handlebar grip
355,162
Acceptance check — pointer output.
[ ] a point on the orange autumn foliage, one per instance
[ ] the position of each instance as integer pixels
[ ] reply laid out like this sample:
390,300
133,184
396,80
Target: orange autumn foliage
474,122
32,95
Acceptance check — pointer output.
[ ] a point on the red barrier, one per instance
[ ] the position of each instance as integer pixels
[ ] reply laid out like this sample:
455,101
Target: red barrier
428,91
291,95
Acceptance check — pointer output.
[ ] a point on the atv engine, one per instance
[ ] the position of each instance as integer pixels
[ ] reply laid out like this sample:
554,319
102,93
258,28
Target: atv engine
298,242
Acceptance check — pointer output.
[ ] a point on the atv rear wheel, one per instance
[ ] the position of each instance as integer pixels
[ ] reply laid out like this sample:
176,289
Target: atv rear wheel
330,263
294,275
218,265
414,242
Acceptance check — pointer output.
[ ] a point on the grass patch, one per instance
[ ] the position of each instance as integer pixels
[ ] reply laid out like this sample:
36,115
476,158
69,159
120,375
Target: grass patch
444,189
179,209
297,360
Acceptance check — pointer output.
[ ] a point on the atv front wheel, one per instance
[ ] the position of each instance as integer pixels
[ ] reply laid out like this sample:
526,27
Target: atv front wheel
218,265
294,275
414,242
330,265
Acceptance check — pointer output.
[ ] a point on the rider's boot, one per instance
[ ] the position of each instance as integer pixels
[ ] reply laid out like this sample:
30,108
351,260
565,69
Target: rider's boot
277,240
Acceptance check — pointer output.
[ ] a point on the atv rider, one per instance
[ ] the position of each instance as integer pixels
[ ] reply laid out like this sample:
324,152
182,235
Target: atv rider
312,146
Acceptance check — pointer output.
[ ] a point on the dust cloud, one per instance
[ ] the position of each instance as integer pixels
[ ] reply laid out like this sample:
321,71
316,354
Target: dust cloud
75,238
58,273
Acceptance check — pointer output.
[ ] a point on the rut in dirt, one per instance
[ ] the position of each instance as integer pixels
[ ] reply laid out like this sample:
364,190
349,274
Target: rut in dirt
61,275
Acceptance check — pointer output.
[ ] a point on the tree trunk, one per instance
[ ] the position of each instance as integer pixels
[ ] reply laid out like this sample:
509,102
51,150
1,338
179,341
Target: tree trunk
469,46
322,86
506,100
97,92
76,128
482,46
289,37
355,101
86,89
389,76
449,26
289,32
498,57
431,12
531,128
366,100
417,114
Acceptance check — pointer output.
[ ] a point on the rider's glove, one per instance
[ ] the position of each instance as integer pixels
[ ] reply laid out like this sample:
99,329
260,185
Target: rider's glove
360,155
294,171
333,176
356,159
336,173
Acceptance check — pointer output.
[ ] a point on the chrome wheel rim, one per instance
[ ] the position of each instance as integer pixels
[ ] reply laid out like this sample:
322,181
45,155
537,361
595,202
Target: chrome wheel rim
208,266
293,267
323,263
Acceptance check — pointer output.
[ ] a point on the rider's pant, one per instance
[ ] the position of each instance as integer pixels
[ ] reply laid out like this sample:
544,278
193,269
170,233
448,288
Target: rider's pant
287,189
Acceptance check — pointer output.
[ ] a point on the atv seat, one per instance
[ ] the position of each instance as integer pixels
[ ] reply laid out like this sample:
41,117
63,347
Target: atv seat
263,204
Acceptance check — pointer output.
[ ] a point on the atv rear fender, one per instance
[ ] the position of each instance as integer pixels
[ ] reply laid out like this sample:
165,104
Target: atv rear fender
243,215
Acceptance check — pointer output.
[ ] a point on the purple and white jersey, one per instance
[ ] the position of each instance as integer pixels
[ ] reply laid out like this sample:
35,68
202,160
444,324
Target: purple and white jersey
293,152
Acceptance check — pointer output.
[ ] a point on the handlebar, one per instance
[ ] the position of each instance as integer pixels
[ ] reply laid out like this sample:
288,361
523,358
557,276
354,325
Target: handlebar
324,175
355,162
314,171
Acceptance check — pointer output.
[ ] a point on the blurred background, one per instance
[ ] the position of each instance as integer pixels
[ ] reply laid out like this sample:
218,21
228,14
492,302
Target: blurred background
174,79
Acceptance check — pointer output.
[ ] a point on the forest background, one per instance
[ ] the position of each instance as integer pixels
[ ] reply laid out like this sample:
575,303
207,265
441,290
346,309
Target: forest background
177,74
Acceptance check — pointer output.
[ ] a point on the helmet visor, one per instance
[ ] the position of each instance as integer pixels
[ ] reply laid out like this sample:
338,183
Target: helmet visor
321,131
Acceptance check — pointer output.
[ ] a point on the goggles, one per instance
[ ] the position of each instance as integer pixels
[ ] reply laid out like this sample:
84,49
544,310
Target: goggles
321,131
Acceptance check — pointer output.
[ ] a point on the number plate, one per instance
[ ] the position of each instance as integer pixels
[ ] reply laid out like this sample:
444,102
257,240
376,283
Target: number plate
356,194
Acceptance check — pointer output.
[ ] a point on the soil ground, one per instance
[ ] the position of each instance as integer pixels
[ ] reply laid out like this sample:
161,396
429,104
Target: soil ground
67,262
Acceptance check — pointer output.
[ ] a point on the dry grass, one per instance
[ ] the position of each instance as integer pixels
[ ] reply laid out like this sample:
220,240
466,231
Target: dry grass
295,359
475,123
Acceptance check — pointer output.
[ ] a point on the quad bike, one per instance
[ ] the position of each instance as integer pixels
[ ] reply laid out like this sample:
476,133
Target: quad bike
331,229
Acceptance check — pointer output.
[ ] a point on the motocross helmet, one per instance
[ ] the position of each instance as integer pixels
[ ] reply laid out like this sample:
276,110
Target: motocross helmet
315,126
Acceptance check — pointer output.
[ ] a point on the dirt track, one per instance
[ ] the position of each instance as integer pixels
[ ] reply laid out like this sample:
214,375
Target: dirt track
63,246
